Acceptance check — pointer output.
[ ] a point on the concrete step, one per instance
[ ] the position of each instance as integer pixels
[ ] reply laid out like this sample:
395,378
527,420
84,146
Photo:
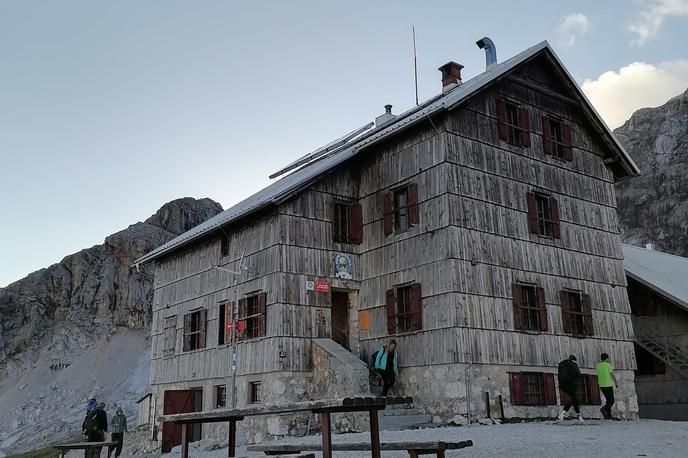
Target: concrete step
399,422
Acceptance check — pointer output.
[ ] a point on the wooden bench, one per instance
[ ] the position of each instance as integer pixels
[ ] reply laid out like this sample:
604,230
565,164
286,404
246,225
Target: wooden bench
414,449
64,448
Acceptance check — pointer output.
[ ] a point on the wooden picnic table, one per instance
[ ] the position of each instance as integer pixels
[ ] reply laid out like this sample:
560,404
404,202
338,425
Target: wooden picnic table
324,408
64,448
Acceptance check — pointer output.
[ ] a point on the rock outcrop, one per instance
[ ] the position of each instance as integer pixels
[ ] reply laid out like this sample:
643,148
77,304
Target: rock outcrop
654,206
89,292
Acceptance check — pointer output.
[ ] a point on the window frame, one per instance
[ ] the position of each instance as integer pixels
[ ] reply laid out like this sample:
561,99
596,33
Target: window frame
404,312
341,222
543,215
255,393
169,340
195,339
401,210
224,244
407,316
577,317
220,396
250,313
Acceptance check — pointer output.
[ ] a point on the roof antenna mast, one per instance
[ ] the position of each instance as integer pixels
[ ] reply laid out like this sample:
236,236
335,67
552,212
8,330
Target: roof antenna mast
415,63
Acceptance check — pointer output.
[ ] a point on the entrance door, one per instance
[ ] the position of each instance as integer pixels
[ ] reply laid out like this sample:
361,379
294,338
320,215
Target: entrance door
340,318
179,401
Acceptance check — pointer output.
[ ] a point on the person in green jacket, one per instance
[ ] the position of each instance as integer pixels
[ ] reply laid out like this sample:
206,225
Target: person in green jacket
118,426
607,381
386,365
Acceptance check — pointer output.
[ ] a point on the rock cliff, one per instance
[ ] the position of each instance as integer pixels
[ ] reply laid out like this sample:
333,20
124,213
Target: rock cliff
654,206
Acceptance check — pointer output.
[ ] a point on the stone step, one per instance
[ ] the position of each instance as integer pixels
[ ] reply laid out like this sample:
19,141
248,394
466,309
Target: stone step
397,412
399,422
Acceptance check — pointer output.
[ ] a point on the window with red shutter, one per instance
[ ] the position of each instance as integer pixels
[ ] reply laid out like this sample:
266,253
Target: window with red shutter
565,311
550,390
413,204
524,124
518,309
567,150
388,209
416,307
543,215
516,388
356,225
533,222
513,123
251,322
587,315
592,390
341,221
527,308
556,138
547,144
502,128
194,330
554,216
391,312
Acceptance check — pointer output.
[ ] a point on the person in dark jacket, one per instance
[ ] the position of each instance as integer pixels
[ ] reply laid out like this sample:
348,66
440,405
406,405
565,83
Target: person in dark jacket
118,426
94,428
569,376
386,365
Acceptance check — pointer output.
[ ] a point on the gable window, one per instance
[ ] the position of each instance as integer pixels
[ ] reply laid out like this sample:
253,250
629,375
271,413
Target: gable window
532,389
556,138
543,215
251,320
347,222
220,396
587,391
401,209
254,393
513,123
224,244
170,335
530,310
576,313
194,330
404,309
224,323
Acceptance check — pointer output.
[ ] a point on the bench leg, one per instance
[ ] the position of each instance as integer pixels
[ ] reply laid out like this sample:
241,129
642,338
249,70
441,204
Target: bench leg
412,454
375,434
185,441
440,453
326,431
231,445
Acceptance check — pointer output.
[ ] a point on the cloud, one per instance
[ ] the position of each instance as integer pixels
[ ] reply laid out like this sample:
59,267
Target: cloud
571,26
652,18
617,94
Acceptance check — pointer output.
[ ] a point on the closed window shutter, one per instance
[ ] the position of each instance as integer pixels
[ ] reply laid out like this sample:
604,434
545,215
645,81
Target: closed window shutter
542,306
565,311
587,314
524,121
554,214
187,329
202,327
355,223
388,209
391,312
412,203
518,310
516,388
502,128
546,136
416,307
592,389
261,301
533,221
550,390
567,150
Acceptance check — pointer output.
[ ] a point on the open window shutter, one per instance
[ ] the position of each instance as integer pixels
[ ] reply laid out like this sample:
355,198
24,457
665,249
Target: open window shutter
391,312
516,388
592,389
261,301
542,306
502,128
565,311
413,203
187,329
355,223
587,314
566,134
533,225
524,121
546,135
388,209
550,390
240,335
554,213
416,307
229,308
202,328
518,311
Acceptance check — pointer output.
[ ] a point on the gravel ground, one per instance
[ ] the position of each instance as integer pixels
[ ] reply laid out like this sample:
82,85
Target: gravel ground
650,438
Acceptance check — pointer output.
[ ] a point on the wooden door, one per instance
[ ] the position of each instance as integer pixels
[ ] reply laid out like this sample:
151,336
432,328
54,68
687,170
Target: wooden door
176,401
340,318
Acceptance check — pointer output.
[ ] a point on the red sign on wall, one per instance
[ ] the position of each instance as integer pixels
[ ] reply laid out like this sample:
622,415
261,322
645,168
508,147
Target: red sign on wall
322,286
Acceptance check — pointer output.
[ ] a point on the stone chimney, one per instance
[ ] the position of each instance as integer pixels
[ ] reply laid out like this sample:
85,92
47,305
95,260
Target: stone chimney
451,75
386,117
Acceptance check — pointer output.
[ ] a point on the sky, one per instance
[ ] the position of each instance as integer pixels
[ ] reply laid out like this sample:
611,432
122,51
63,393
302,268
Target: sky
110,109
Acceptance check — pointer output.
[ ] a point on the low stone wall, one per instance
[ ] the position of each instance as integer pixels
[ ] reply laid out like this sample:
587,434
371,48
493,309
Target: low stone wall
337,372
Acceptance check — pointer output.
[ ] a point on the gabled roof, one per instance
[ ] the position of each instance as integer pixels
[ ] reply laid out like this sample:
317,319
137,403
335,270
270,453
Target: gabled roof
307,174
665,274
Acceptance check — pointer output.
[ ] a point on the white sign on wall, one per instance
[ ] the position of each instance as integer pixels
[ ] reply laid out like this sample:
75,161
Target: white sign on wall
310,285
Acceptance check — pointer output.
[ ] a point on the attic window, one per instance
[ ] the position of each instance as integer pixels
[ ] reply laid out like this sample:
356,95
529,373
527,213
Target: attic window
513,123
556,138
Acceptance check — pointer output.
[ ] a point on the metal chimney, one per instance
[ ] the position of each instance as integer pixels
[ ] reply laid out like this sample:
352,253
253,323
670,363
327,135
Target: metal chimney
490,51
386,117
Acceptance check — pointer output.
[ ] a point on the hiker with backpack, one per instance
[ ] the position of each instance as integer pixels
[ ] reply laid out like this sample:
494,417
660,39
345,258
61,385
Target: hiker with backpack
118,426
385,365
94,428
92,404
569,376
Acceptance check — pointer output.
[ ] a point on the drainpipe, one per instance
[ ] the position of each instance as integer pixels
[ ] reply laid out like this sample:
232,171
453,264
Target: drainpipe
468,393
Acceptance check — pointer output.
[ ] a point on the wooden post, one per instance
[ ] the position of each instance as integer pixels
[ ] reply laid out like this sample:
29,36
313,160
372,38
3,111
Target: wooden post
440,453
487,404
374,433
326,432
185,441
231,444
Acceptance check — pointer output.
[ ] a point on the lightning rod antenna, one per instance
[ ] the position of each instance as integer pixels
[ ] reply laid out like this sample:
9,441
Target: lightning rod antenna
415,63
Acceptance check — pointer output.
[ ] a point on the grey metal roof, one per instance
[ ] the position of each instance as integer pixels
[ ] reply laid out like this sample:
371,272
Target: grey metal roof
302,177
664,273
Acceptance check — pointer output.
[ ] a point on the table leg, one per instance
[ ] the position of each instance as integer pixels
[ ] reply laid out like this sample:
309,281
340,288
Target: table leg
326,431
231,446
185,441
374,433
440,453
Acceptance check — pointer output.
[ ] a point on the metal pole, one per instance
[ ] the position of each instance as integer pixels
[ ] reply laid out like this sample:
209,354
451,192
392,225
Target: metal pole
235,313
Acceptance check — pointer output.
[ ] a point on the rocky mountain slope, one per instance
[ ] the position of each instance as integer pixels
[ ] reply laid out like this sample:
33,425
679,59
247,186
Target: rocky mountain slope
654,206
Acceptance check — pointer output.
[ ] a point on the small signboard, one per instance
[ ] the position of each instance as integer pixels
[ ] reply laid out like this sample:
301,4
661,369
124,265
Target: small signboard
322,286
310,286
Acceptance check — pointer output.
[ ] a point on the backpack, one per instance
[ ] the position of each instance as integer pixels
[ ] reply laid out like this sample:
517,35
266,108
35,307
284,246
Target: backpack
374,358
90,423
566,372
